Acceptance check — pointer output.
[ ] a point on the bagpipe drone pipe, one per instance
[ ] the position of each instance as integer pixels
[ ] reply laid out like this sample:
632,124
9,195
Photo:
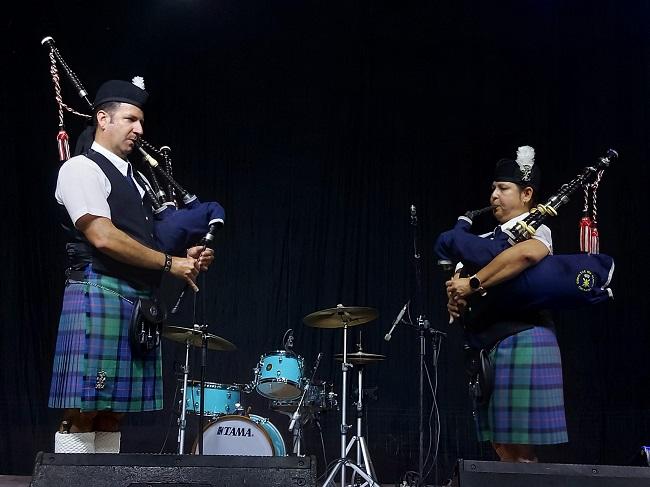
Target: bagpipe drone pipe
180,219
556,282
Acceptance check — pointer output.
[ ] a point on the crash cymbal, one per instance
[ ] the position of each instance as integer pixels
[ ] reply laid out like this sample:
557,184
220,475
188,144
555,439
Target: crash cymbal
340,316
182,335
360,358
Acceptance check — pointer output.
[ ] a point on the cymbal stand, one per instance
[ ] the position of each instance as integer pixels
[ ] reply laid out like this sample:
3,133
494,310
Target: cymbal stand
204,354
204,365
182,422
362,447
343,461
297,417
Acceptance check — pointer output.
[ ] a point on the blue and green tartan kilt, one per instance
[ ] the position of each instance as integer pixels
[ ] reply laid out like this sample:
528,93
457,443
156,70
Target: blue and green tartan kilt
527,405
93,366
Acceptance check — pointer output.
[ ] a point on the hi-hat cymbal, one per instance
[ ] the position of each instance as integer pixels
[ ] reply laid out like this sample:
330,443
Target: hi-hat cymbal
340,316
183,335
360,358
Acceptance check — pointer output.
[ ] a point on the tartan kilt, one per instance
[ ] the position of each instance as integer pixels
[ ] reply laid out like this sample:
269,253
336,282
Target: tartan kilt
527,405
93,366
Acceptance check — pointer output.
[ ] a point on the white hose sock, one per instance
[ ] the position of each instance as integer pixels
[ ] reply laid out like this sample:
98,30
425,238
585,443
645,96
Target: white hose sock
74,442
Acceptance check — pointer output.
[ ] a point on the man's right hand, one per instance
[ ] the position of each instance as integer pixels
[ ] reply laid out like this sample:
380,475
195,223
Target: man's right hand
186,268
455,307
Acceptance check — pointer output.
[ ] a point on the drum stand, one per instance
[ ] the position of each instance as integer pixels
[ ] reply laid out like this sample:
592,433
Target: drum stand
204,366
182,422
362,449
362,446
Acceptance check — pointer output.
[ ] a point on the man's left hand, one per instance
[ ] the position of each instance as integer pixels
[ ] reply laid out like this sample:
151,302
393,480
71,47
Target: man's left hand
205,258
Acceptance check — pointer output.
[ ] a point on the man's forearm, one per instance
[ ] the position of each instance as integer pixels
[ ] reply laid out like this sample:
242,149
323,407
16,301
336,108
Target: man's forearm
512,262
112,241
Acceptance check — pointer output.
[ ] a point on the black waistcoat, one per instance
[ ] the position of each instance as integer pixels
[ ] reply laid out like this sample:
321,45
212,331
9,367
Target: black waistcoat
130,213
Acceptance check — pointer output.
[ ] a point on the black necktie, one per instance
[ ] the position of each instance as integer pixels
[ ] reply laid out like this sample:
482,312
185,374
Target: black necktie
129,178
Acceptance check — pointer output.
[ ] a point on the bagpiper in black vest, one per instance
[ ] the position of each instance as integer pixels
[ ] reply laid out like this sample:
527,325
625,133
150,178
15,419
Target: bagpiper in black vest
130,213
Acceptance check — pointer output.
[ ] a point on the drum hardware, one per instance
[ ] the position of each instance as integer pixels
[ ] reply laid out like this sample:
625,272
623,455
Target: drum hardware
317,400
296,417
344,317
361,359
195,336
336,317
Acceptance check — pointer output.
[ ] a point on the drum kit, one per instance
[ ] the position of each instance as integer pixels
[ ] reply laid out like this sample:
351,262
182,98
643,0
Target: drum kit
280,377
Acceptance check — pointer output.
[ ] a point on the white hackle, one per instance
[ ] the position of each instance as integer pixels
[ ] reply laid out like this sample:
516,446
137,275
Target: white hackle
525,160
138,81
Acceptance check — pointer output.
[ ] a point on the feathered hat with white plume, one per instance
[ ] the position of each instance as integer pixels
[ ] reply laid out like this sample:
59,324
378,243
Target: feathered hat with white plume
522,170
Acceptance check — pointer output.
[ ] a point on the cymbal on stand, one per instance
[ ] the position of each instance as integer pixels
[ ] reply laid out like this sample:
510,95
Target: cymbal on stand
360,358
183,335
340,316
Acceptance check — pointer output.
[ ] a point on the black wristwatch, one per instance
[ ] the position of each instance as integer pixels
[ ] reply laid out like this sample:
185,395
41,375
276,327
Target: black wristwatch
475,284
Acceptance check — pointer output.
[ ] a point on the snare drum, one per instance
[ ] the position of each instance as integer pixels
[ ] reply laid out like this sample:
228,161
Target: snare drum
279,375
317,399
219,398
242,435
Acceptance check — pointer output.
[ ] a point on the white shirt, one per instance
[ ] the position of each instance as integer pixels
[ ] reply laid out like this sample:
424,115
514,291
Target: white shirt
83,188
543,233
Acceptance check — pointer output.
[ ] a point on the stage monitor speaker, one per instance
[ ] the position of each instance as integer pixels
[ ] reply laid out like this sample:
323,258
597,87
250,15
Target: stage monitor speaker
472,473
142,470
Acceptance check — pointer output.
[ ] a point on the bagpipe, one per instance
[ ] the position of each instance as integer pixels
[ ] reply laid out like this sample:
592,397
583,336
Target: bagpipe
557,281
180,219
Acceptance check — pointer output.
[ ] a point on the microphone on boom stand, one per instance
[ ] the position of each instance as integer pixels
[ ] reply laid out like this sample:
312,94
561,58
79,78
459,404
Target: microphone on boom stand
397,321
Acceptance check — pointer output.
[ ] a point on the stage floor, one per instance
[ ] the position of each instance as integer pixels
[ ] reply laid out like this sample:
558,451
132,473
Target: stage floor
23,481
15,480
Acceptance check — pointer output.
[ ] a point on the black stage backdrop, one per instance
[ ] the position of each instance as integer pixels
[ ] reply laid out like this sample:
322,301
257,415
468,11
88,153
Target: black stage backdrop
317,124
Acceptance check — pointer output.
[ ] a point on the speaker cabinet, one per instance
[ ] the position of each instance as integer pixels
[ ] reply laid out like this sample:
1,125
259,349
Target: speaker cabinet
141,470
472,473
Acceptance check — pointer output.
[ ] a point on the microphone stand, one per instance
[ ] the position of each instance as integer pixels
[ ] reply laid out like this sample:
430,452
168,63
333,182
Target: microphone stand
423,327
297,417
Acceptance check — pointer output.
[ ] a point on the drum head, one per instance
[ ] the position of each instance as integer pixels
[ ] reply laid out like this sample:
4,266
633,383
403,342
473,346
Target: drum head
235,435
281,353
278,389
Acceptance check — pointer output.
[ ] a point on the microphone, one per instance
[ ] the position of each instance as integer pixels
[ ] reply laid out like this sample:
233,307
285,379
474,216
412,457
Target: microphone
296,413
388,335
414,216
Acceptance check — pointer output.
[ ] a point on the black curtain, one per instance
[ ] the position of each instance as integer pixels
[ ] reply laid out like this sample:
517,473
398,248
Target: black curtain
317,125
